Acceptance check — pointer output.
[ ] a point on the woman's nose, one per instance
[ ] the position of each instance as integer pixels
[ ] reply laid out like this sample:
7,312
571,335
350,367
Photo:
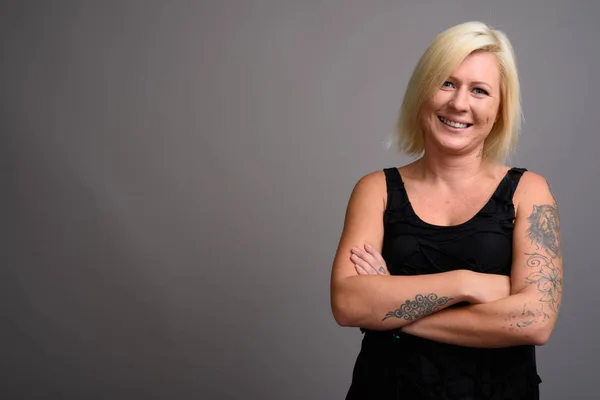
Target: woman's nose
460,100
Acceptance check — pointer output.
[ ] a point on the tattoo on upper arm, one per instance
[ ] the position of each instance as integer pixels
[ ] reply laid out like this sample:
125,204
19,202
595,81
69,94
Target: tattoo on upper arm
544,230
544,233
421,306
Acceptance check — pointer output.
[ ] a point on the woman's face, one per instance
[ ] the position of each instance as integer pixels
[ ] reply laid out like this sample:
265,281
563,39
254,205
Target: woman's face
461,113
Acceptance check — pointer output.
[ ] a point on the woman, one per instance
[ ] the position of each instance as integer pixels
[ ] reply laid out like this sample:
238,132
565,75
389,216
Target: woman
452,265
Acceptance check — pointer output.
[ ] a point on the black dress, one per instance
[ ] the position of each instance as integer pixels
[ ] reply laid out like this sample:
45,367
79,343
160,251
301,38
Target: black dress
395,365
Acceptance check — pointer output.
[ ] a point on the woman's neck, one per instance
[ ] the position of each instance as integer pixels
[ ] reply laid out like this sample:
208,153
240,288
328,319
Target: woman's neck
451,169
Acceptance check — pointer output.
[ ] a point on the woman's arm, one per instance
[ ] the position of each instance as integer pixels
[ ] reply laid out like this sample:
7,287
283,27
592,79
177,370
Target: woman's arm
529,314
382,302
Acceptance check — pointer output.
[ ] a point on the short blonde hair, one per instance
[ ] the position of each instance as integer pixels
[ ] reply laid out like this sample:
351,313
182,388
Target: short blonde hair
444,54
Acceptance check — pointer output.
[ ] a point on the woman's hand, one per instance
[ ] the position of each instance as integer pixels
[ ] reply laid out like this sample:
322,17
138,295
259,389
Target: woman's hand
485,288
368,261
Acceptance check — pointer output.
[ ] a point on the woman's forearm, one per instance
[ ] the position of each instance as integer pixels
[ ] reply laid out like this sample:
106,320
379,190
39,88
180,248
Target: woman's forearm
519,319
383,302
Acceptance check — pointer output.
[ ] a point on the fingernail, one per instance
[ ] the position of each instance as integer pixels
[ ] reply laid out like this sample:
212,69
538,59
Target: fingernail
368,246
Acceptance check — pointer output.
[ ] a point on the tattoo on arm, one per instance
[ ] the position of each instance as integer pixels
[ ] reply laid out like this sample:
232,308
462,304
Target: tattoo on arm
526,317
544,230
547,278
544,233
421,306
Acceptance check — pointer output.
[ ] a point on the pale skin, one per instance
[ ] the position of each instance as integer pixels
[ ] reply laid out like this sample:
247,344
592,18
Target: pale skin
447,186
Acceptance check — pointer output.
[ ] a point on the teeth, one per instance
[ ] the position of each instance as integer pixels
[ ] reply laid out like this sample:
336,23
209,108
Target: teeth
452,123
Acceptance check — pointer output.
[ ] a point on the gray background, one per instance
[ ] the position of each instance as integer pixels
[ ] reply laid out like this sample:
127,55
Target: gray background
175,176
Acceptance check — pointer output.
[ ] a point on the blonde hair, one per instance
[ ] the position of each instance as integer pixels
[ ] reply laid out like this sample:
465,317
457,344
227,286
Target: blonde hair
444,54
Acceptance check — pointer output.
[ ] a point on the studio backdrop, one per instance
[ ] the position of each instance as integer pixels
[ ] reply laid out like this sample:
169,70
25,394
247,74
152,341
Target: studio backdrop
175,176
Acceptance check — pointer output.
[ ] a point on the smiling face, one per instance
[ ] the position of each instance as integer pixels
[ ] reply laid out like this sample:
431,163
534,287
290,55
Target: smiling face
461,113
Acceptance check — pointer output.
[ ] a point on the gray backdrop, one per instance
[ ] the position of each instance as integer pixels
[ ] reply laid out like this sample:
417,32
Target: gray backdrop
175,176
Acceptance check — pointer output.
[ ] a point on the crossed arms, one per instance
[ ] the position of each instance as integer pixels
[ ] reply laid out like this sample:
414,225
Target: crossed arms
501,311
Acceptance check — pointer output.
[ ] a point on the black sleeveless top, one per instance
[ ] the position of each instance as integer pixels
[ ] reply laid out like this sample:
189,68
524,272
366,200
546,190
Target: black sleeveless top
396,365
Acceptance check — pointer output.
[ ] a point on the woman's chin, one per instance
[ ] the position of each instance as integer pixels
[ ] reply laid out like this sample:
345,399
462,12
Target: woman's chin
456,146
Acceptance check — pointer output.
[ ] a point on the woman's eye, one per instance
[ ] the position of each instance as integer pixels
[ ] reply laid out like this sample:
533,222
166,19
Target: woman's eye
447,84
480,91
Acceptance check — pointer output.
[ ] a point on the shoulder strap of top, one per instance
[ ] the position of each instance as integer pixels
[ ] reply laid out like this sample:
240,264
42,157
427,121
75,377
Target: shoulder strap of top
396,194
514,176
393,179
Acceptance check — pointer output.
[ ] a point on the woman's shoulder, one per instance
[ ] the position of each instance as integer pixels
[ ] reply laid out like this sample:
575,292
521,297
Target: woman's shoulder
530,180
374,185
532,187
375,177
378,178
371,182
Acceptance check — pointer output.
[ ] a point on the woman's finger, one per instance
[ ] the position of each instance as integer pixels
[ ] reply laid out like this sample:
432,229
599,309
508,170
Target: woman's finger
365,256
365,265
378,259
374,253
360,270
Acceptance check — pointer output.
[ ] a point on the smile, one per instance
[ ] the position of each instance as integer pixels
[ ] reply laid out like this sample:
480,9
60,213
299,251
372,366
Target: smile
453,124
